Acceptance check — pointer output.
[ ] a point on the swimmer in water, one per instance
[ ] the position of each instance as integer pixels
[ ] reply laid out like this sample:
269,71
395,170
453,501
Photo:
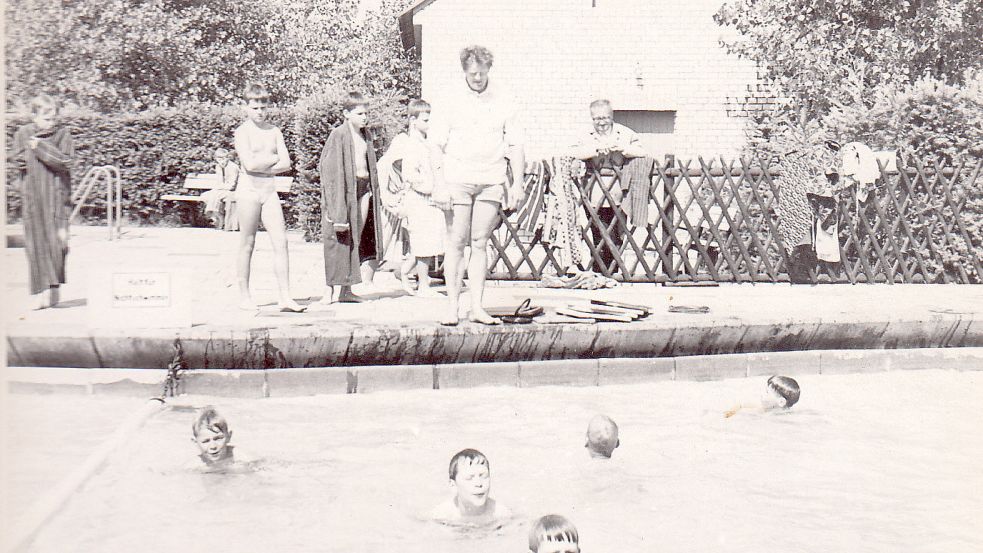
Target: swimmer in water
470,480
263,154
211,434
553,534
781,392
602,437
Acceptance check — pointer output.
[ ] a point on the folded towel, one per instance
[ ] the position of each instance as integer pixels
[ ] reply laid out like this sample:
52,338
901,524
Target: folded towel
638,181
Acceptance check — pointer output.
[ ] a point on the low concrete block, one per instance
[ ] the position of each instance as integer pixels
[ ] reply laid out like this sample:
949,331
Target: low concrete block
631,371
247,384
135,352
711,367
787,363
54,351
309,381
572,372
855,361
470,375
935,358
393,377
46,388
127,387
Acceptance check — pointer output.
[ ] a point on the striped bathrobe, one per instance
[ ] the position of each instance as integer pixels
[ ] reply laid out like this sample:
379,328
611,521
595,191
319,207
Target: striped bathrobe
46,195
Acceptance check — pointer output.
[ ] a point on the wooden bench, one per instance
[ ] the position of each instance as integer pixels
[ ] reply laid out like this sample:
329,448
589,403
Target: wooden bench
211,181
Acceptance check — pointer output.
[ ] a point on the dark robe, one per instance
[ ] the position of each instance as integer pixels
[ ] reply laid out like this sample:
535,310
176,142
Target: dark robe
339,204
46,196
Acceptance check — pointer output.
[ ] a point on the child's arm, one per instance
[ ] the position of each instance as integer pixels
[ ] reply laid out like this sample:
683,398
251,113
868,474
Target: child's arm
251,161
334,209
753,406
283,160
58,156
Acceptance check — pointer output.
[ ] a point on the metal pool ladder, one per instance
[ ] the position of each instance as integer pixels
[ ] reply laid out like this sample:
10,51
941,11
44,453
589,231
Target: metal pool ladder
114,196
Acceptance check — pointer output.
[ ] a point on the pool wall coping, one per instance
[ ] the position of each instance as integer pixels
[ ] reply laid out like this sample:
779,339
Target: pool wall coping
292,382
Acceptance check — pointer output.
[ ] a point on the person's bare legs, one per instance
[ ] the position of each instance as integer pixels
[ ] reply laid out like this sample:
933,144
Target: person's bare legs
368,267
272,216
404,274
249,212
55,295
423,288
457,237
483,221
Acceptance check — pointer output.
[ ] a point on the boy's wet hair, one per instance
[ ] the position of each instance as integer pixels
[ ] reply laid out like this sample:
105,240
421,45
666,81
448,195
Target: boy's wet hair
209,418
786,387
476,54
469,455
353,100
416,107
256,91
602,435
552,528
222,152
42,101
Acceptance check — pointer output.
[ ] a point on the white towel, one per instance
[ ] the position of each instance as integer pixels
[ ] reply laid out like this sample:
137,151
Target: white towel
827,244
860,163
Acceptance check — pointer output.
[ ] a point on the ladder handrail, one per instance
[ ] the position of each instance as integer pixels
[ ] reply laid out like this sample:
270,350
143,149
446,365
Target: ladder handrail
114,196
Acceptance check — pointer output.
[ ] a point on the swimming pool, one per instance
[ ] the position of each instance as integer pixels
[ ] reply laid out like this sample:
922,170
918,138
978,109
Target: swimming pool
876,462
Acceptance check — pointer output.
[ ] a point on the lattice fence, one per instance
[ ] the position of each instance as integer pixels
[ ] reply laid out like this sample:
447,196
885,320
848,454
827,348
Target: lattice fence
718,220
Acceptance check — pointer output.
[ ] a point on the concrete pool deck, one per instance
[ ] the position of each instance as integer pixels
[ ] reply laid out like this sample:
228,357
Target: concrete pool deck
396,329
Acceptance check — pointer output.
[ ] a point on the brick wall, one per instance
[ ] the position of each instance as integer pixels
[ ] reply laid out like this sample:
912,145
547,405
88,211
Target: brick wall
557,55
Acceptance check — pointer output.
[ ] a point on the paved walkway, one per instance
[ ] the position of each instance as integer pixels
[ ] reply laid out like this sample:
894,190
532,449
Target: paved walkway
397,328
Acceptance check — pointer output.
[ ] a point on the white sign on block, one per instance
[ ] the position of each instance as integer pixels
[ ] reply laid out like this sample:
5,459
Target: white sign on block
137,290
140,299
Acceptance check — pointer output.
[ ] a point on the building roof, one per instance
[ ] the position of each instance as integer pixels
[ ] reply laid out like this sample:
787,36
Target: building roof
410,33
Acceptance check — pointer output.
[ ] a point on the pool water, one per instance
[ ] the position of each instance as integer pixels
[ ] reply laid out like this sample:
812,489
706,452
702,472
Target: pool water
881,462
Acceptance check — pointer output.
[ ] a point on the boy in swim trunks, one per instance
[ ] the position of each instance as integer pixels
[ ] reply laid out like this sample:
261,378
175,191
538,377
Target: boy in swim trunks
263,154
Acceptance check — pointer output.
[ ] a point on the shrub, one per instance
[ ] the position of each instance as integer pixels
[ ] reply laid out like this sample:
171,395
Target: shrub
155,149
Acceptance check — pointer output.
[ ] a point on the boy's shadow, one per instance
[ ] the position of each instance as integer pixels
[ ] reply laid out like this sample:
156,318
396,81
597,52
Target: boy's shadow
78,302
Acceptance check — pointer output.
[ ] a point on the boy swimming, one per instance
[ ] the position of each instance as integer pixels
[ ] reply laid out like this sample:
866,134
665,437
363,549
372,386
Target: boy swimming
471,481
781,392
553,534
212,435
602,437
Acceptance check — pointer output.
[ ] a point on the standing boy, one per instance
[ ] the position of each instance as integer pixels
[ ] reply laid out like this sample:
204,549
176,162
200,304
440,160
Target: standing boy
348,179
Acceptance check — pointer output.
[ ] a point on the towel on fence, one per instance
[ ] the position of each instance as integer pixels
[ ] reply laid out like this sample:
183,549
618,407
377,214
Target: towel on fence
529,213
860,163
565,219
638,182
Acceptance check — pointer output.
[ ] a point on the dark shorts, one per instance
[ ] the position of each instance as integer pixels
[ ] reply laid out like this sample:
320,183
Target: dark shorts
362,186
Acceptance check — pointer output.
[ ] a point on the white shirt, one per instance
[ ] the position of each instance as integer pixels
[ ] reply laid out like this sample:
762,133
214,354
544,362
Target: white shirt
475,130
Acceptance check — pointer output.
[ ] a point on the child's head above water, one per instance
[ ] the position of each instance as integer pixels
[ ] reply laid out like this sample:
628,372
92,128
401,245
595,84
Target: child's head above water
783,391
602,437
471,479
212,434
554,534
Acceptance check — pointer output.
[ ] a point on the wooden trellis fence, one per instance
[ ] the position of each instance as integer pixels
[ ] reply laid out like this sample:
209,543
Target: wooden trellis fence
718,221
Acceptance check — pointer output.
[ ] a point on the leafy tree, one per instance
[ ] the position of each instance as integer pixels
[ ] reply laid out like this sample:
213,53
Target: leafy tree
115,55
119,54
810,48
328,44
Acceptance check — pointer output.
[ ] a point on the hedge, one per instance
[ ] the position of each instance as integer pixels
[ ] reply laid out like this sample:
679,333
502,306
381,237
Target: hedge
155,149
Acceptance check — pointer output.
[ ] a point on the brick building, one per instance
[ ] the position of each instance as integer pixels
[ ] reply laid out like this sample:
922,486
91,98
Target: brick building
658,61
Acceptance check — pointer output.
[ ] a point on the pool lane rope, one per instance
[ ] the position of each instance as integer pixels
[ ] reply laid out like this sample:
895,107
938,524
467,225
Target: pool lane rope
49,504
